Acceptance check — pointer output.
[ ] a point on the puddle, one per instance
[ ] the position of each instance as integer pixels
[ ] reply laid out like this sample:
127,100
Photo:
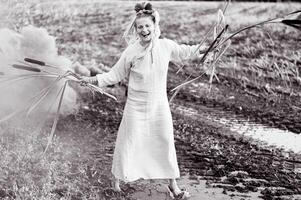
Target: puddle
286,140
196,187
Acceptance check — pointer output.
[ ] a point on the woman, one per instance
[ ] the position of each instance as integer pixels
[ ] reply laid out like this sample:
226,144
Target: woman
145,143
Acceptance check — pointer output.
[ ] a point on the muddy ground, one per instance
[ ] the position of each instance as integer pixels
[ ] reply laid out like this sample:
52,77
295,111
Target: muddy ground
205,150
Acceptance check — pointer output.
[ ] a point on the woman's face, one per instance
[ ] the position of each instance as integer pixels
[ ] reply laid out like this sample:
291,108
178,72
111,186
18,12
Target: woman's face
145,28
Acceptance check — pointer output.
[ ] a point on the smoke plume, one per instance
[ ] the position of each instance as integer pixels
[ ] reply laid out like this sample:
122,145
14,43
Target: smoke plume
36,43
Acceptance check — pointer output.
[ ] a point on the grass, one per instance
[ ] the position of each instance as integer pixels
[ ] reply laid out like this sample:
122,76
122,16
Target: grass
27,173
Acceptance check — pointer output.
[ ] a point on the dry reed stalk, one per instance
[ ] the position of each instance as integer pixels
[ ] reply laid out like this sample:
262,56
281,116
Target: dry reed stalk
11,115
74,75
45,117
53,128
38,62
205,38
199,46
177,89
212,28
26,68
33,61
210,48
212,45
216,55
97,89
43,93
58,78
91,86
49,109
294,23
31,105
16,78
42,70
226,4
213,66
187,82
92,91
175,93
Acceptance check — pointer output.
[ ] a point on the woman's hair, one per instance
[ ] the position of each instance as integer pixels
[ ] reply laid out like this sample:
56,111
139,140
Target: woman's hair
144,9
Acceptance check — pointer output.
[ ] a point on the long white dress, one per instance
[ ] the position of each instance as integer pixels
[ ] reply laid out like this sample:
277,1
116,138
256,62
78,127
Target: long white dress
145,141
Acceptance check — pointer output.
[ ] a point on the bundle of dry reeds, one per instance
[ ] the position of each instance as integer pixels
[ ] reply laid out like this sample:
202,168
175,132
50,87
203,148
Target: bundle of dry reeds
222,41
39,70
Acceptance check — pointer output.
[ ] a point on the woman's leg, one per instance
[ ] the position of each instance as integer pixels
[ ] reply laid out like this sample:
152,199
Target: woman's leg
117,185
177,192
174,186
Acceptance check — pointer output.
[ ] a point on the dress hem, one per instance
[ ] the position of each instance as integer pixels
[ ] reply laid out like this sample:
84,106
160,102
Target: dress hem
146,178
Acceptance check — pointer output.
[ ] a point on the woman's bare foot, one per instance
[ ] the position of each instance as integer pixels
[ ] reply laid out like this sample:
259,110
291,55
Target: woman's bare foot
177,193
116,185
174,187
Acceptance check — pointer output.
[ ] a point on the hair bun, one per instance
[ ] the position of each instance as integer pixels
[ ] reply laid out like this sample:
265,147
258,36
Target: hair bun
143,6
148,6
138,7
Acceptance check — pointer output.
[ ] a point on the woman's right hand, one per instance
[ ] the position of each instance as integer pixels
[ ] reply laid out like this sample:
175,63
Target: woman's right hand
88,80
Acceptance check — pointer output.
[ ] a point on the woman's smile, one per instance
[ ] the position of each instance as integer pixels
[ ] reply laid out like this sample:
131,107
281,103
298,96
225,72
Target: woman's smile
145,34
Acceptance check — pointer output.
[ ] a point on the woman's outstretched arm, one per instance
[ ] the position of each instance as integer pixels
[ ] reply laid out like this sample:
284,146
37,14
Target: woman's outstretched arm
181,52
117,73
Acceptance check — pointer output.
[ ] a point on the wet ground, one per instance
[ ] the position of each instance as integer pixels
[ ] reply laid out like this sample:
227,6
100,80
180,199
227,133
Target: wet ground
216,162
197,187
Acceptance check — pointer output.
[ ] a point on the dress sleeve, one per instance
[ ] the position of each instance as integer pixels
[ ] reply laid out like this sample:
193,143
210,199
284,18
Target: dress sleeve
180,52
118,72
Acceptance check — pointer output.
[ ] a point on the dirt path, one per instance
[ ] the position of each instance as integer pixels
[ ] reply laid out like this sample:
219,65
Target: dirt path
214,163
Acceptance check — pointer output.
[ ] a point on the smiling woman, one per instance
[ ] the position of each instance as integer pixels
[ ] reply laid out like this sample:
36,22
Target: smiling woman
145,142
145,23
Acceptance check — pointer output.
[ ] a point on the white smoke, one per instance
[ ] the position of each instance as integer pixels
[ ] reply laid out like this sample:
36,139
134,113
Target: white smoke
36,43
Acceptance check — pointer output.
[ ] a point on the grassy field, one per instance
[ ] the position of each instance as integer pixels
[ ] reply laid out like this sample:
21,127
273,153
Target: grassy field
260,70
